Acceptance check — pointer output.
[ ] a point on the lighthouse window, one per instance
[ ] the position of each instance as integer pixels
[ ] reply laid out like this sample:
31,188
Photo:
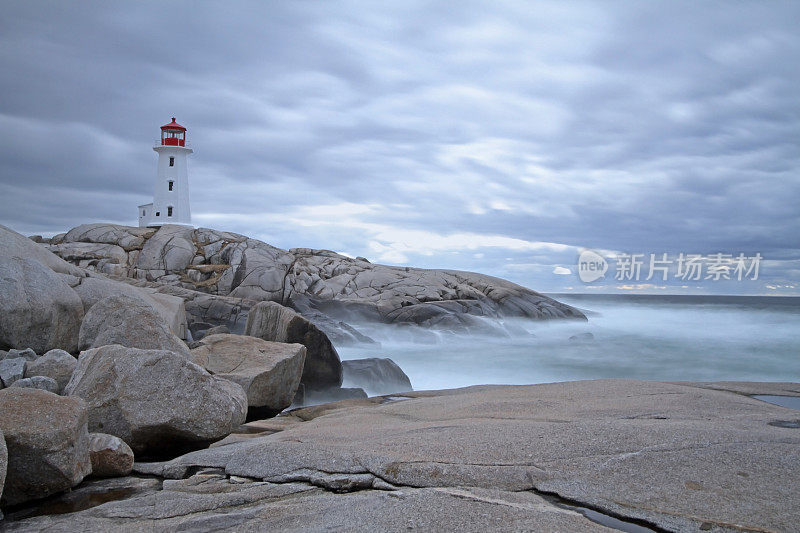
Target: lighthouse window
158,213
172,164
169,211
171,183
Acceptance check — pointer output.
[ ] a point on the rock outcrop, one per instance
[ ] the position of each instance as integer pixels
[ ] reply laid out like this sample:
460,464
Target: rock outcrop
157,401
38,309
47,440
130,322
228,264
269,372
273,322
669,457
110,456
375,375
55,364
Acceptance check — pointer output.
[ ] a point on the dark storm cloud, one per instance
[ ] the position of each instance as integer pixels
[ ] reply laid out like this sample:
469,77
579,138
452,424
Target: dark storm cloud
502,137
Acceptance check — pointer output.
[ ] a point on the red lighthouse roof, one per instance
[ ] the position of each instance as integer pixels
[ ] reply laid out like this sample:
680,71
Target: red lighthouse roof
173,126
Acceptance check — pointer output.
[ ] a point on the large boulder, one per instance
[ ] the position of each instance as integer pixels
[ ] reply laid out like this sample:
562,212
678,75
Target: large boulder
14,244
38,310
47,440
127,321
55,364
375,375
157,401
110,456
269,372
93,289
273,322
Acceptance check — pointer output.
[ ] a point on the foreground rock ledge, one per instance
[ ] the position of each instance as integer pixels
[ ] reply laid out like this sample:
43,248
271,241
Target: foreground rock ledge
679,456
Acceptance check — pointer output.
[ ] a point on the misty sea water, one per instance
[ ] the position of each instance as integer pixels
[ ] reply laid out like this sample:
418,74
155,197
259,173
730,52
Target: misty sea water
696,338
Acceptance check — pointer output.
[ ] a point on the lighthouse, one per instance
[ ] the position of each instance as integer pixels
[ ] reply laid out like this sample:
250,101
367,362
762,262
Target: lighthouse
171,197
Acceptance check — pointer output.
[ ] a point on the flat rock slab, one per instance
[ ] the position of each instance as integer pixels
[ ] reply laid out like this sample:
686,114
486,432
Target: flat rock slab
679,456
214,503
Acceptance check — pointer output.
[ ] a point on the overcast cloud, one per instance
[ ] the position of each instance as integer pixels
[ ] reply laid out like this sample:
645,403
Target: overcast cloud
502,137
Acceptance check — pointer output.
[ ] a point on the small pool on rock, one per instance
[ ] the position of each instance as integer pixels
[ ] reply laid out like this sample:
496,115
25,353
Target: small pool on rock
88,494
791,402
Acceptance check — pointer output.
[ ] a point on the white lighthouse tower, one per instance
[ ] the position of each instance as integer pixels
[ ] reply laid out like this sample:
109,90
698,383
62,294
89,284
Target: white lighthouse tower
171,197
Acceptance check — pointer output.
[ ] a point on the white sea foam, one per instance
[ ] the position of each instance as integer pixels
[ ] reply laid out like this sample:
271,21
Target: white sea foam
699,339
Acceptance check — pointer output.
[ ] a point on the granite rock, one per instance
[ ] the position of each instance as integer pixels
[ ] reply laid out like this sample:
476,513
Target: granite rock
157,401
269,372
273,322
47,440
55,364
38,310
130,322
110,456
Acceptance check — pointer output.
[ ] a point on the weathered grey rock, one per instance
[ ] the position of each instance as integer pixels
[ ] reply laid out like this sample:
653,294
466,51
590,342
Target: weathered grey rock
582,337
56,364
110,456
212,503
47,443
346,289
375,375
130,322
91,491
93,289
677,456
273,322
269,372
12,370
14,244
258,271
170,249
27,354
127,237
90,254
157,401
339,332
38,310
37,382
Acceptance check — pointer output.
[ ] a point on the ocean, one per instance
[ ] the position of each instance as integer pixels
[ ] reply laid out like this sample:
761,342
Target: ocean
658,337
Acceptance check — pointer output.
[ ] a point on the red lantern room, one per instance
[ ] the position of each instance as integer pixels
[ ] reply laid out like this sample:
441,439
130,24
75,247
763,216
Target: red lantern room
173,134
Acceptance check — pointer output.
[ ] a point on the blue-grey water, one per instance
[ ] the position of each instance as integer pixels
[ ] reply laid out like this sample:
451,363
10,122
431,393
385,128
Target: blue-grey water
698,338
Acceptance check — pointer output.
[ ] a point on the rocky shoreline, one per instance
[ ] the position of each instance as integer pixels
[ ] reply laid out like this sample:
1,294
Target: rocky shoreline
182,378
659,456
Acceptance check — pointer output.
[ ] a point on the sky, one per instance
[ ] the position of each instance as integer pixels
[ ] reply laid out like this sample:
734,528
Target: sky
499,137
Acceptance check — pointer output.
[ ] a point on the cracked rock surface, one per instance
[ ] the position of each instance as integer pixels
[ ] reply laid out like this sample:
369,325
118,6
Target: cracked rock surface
228,264
680,457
